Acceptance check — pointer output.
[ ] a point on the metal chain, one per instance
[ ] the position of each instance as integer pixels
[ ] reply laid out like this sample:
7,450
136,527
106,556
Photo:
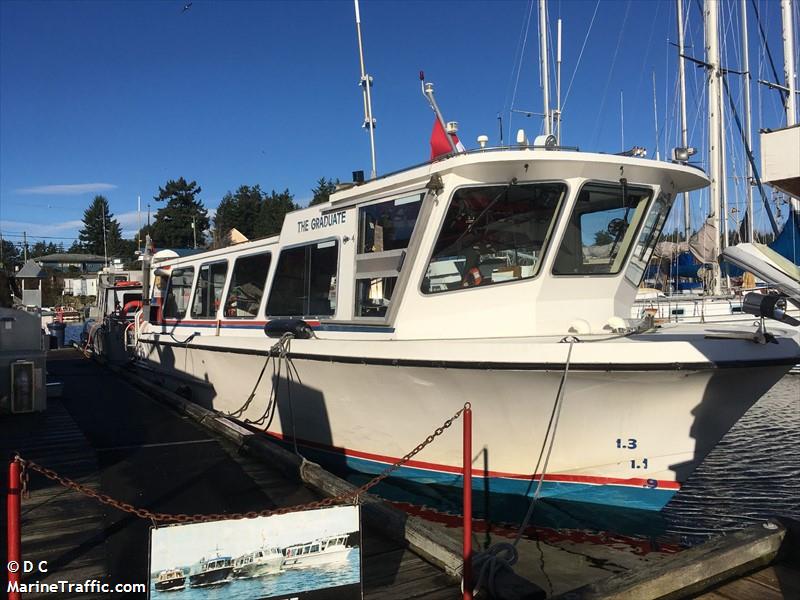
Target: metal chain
346,497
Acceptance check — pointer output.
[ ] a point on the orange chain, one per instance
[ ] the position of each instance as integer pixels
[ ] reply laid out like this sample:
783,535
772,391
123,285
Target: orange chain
346,497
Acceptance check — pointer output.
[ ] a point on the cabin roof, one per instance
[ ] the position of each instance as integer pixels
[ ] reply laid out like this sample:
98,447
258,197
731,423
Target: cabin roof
685,177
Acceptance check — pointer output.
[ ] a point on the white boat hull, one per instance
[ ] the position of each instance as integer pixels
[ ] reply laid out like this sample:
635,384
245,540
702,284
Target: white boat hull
626,435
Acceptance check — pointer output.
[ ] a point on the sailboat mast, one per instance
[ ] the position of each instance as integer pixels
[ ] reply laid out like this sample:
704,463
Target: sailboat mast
711,12
788,62
687,223
366,86
548,129
747,119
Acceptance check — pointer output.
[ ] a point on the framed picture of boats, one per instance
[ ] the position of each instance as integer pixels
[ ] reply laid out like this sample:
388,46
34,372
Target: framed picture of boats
308,555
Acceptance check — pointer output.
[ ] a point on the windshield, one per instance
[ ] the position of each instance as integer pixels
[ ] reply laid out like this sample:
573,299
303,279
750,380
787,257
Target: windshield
493,234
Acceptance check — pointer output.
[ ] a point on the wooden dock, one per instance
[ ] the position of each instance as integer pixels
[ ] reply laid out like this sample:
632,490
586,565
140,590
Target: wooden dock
107,434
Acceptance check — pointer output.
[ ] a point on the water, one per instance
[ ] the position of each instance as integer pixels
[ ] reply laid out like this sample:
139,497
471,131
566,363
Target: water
753,474
285,583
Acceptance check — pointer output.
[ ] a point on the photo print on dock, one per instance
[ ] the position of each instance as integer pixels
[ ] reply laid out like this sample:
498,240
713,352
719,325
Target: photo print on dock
307,555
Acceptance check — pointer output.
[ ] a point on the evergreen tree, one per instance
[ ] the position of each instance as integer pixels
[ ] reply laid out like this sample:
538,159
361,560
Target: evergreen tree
76,248
10,257
323,191
239,210
101,233
172,227
273,210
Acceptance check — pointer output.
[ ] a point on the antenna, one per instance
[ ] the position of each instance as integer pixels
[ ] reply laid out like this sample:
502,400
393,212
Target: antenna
655,113
557,114
543,59
622,120
366,86
427,91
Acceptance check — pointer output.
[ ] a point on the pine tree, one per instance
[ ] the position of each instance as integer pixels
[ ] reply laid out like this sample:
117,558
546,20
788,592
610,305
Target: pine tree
323,191
172,227
272,212
239,210
101,232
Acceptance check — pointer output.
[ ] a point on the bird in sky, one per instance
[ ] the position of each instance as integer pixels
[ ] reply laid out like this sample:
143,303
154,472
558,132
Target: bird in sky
186,7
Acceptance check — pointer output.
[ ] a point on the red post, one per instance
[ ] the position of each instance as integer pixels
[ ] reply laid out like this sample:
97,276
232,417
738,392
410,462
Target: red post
467,571
13,512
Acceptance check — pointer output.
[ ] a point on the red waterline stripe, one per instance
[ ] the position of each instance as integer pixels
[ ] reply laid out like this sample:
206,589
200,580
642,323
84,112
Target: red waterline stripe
554,477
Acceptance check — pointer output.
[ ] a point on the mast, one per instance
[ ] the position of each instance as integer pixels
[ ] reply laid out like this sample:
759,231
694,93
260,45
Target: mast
710,11
548,129
747,116
788,62
687,223
366,86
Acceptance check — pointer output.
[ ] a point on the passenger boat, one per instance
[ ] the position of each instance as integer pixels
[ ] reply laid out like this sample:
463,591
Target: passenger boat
321,551
214,571
263,561
170,579
495,276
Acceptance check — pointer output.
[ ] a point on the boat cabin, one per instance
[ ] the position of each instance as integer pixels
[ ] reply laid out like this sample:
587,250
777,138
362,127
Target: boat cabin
505,243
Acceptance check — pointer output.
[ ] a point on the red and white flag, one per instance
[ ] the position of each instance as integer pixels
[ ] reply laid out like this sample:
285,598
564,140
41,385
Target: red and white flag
439,143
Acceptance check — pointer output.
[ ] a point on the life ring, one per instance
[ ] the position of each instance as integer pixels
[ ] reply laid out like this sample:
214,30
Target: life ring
133,304
472,277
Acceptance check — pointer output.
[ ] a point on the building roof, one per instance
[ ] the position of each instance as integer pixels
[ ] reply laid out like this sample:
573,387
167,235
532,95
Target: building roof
68,257
31,270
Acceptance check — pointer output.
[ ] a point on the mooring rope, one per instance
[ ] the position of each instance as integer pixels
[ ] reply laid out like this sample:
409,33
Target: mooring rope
504,555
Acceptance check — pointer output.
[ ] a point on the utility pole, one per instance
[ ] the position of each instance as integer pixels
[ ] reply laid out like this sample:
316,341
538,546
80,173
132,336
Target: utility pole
25,246
194,231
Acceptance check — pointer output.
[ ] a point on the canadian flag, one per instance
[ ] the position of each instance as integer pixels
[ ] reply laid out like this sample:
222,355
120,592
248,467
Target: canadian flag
439,143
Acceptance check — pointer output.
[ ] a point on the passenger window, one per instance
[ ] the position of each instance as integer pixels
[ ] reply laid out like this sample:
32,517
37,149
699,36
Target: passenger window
208,292
385,230
248,281
305,281
388,225
601,229
180,289
493,234
651,232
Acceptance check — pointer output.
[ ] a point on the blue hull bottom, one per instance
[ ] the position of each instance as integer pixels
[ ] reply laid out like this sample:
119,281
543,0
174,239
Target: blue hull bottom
623,496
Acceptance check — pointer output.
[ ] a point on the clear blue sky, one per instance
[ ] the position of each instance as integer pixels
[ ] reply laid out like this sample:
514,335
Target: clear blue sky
126,95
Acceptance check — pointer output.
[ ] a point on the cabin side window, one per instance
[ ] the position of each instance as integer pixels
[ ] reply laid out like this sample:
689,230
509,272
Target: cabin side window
649,236
305,281
248,280
384,231
493,234
601,229
179,293
208,291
